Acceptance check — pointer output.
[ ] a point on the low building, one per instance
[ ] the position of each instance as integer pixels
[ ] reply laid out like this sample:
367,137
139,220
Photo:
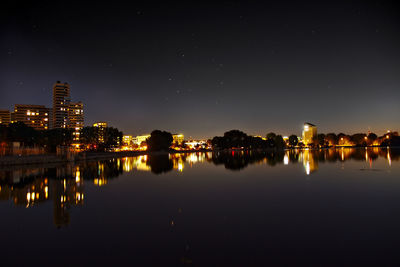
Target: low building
127,140
178,139
5,117
35,116
138,140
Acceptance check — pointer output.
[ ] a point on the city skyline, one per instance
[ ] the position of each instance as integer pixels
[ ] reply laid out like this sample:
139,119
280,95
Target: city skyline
205,69
73,106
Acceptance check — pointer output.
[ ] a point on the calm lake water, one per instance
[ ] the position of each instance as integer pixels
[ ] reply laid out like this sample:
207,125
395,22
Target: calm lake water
326,208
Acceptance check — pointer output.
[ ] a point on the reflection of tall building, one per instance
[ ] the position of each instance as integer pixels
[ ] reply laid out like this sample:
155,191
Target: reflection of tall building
310,161
35,116
102,130
76,118
26,194
66,192
61,101
309,132
5,116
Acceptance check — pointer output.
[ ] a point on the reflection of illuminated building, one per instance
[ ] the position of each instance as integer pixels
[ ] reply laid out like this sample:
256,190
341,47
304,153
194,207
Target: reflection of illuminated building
66,193
309,133
286,158
310,161
100,180
29,195
102,129
178,164
139,163
178,138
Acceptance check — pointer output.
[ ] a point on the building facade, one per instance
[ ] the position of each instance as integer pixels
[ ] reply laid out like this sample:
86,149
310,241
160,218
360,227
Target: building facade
35,116
309,133
138,140
102,130
127,140
76,118
61,102
178,139
5,117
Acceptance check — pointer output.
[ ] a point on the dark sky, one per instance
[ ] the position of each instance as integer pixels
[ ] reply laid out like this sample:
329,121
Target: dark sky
202,68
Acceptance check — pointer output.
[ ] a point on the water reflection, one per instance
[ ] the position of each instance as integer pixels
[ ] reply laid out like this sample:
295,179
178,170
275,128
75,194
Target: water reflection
64,185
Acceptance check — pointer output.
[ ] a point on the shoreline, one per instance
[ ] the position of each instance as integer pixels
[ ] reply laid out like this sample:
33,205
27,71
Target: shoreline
81,157
46,159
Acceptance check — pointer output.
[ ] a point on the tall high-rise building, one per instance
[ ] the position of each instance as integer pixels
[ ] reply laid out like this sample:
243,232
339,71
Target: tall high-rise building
76,118
309,133
5,116
61,101
35,116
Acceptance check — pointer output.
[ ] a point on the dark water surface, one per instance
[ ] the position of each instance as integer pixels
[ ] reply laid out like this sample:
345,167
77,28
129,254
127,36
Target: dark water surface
326,208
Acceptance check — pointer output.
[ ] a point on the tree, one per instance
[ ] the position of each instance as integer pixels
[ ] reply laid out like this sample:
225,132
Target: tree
235,138
56,137
271,136
293,140
321,139
19,132
159,163
101,139
112,138
332,139
359,139
89,135
279,142
159,140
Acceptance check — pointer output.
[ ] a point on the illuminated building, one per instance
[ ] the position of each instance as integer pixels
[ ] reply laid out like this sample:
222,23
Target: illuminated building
76,118
61,101
140,138
309,133
35,116
193,144
259,136
102,128
5,116
127,140
178,138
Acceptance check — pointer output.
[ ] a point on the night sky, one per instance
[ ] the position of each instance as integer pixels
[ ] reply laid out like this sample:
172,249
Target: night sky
201,68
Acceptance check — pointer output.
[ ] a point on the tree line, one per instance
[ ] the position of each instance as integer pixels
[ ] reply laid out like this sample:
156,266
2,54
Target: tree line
239,140
94,138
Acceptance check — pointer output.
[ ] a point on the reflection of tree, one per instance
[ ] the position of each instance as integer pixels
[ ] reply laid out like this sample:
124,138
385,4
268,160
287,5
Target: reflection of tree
240,159
160,163
107,169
